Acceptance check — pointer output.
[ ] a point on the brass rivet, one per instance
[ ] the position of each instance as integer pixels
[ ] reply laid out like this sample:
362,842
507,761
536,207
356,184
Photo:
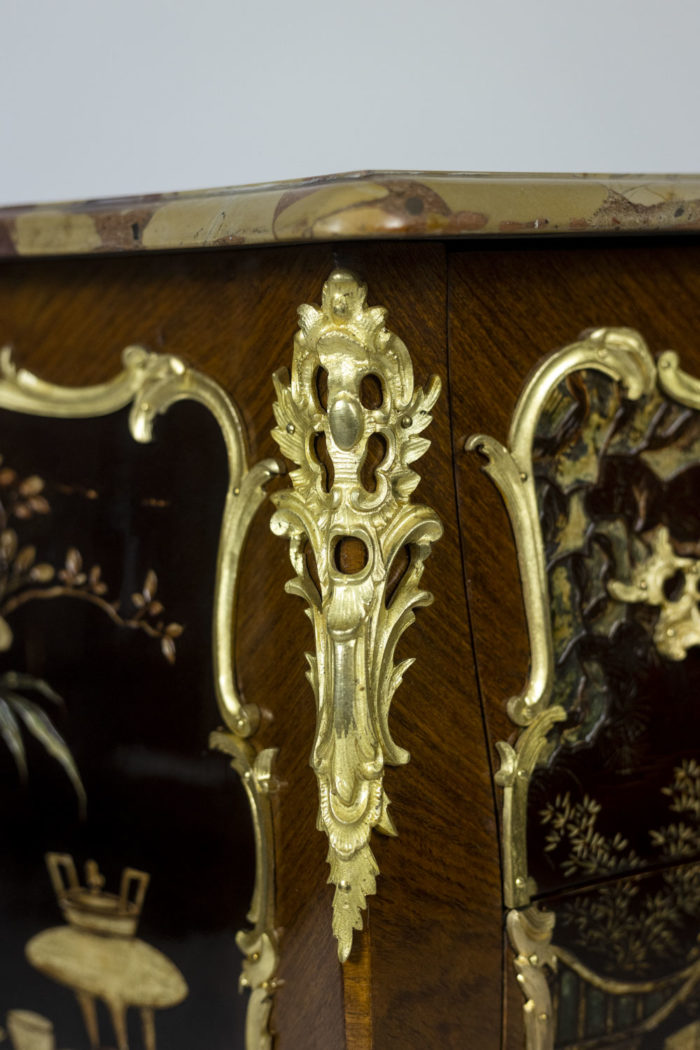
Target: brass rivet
670,632
255,956
519,881
544,1017
290,428
534,960
523,476
236,492
406,422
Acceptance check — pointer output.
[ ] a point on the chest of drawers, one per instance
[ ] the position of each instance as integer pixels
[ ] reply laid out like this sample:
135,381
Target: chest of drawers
536,884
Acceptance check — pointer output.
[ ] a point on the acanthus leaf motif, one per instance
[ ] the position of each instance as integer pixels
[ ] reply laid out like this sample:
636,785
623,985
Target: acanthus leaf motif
355,532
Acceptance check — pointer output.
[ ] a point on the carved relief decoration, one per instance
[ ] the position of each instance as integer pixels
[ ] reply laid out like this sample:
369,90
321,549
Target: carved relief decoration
351,419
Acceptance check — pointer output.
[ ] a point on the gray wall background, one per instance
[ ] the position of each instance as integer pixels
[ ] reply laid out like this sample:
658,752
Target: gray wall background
103,98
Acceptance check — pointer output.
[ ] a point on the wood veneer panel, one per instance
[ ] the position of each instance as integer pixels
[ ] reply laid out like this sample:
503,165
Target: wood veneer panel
435,921
233,316
431,971
508,307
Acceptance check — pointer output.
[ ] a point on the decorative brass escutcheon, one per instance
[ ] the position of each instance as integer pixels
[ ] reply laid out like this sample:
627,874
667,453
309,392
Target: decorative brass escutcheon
351,403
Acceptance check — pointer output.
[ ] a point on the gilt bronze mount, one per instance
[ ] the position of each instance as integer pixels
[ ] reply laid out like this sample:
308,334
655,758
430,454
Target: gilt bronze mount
351,420
592,569
149,384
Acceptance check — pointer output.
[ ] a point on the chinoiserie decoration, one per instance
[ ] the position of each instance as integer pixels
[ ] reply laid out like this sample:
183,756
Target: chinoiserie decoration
98,956
350,418
603,450
149,384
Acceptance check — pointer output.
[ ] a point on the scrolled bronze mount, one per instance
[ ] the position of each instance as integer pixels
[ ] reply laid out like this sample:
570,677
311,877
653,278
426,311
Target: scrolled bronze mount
351,398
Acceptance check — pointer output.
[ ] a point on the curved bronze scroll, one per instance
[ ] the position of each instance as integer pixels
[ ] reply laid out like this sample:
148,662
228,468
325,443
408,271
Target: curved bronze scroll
622,355
151,383
356,526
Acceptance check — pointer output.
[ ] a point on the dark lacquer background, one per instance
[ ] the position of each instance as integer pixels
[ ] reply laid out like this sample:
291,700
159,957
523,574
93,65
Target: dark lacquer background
633,718
624,887
138,727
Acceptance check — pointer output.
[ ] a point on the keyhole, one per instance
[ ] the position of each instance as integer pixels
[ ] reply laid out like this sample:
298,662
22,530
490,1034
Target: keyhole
350,555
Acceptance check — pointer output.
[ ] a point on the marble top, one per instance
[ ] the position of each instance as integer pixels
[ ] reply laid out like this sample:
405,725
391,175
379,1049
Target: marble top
359,205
